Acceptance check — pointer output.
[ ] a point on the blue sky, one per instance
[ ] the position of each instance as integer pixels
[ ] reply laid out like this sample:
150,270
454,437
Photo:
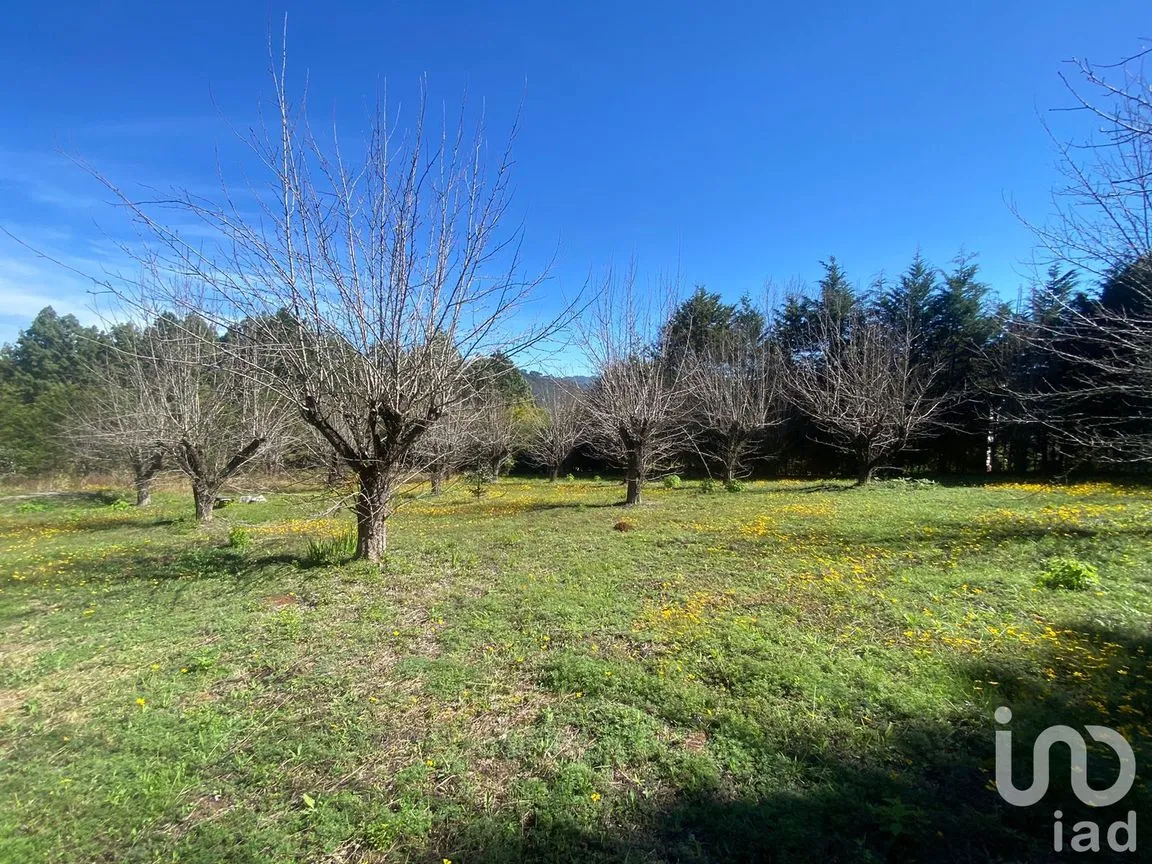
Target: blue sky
731,142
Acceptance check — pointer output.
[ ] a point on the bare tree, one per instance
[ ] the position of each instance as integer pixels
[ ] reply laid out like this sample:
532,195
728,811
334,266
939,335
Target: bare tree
108,431
561,428
1101,224
193,403
445,446
499,426
638,407
378,278
737,398
859,381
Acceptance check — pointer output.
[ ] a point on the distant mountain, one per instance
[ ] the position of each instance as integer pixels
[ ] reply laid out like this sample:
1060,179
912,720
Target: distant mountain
542,385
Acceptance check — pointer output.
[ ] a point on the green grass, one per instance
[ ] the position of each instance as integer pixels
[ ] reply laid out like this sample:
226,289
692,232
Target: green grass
799,672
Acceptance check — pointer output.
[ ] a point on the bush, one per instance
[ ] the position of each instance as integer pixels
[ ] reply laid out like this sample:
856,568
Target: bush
478,483
734,486
1068,574
569,477
673,481
707,486
326,551
239,537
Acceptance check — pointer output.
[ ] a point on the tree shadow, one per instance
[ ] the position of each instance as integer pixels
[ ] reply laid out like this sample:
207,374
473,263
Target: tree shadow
236,570
571,505
922,791
69,498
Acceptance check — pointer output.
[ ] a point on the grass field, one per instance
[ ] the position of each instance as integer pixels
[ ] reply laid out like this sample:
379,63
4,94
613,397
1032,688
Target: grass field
798,672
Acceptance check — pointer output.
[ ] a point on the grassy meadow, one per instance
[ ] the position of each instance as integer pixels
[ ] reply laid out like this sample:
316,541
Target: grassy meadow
797,672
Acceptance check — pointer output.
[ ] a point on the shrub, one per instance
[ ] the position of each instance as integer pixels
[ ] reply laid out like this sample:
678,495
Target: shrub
239,537
569,477
326,551
1068,574
673,481
734,486
707,486
478,483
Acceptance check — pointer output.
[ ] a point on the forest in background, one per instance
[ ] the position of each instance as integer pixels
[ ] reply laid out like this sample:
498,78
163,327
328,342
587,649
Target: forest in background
1008,396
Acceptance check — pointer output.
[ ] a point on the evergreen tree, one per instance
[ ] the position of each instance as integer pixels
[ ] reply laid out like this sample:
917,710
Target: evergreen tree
698,325
837,296
44,375
907,304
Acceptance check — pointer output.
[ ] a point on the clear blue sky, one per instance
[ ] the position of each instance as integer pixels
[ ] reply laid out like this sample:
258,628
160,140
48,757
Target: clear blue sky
736,141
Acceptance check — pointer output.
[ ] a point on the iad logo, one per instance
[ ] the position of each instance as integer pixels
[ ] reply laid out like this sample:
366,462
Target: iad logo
1087,834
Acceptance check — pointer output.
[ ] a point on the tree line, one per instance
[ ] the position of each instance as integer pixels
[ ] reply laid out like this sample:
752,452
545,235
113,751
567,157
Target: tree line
369,319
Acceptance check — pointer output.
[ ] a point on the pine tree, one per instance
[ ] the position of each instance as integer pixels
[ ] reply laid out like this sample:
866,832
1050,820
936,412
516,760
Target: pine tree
907,303
698,325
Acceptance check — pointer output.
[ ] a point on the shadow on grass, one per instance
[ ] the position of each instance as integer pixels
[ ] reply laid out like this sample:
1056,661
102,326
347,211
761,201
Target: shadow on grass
920,792
238,571
65,499
571,505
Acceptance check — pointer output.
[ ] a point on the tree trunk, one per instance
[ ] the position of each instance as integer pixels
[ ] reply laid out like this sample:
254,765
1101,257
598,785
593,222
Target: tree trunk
635,478
373,502
436,477
333,477
864,476
143,491
496,465
729,471
204,494
553,473
733,451
144,468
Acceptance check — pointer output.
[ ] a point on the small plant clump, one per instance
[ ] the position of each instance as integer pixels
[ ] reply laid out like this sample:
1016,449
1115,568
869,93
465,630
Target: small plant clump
1069,574
569,477
673,481
239,537
707,486
326,551
735,485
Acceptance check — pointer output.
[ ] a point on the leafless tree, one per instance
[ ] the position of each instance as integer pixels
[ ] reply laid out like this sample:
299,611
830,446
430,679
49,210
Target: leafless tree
108,430
638,407
857,380
1101,216
1101,223
737,399
499,426
379,278
561,428
445,446
194,404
